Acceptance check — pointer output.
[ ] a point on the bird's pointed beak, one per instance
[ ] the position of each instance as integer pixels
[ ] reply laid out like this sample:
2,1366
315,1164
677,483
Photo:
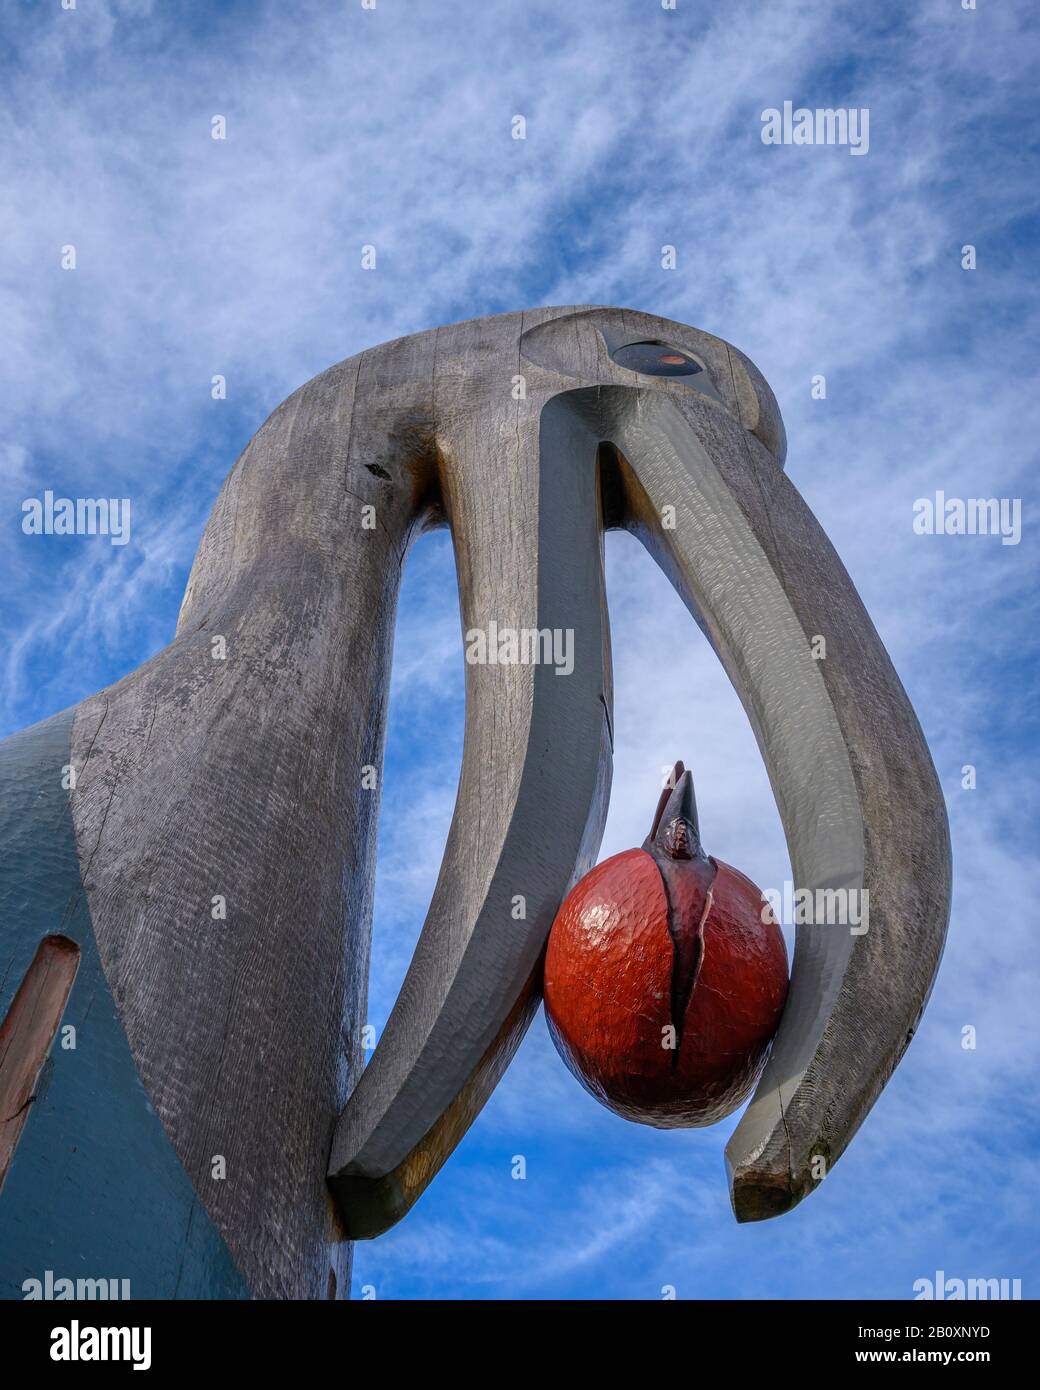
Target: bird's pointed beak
678,801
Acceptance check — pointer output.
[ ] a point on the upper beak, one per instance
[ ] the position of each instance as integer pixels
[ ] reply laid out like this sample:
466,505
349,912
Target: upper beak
851,773
520,492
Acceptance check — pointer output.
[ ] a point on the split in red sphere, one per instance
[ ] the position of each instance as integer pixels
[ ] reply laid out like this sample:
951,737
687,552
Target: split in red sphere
665,976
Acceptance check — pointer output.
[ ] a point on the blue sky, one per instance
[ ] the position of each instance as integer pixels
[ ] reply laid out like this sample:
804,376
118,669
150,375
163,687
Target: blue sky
243,258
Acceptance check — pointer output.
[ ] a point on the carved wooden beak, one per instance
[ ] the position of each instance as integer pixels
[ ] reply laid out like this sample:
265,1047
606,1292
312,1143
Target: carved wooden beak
227,793
695,469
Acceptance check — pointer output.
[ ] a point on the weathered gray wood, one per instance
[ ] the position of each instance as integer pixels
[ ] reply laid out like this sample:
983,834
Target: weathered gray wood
244,777
520,493
855,785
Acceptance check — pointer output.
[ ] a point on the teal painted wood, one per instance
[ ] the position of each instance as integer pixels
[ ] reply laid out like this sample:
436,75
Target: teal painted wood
95,1190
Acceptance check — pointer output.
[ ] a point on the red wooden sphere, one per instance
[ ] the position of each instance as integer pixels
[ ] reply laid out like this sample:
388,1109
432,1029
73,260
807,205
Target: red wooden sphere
665,978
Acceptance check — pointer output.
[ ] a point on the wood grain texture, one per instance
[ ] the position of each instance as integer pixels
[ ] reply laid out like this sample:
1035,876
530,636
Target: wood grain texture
94,1190
27,1032
520,492
855,785
243,778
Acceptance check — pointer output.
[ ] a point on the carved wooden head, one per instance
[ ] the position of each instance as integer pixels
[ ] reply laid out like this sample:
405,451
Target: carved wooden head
252,776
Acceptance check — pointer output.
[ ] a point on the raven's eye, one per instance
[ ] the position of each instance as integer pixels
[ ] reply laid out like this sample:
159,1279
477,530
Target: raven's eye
656,359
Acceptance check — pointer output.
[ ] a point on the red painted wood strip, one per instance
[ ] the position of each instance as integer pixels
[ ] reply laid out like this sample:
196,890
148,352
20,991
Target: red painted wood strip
27,1032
